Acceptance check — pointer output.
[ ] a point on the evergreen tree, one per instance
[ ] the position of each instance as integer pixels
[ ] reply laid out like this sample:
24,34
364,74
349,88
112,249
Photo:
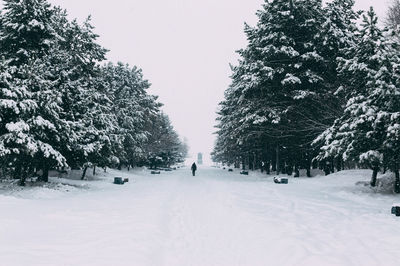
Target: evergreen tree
281,95
27,30
56,63
393,14
59,108
163,147
81,101
24,131
27,36
131,106
361,134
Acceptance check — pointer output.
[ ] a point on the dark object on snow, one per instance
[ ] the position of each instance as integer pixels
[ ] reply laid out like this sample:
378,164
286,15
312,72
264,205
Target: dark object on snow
279,180
118,180
244,173
396,210
155,172
230,170
166,169
194,168
223,168
126,180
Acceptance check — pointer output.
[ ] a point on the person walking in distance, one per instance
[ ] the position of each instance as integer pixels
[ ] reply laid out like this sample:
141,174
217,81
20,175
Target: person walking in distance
194,168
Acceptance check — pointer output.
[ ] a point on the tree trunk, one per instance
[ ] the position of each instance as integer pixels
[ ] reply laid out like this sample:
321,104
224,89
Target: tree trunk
22,181
374,175
274,164
105,169
397,182
308,172
296,171
339,164
283,168
45,175
94,170
268,167
277,160
23,174
84,173
308,167
327,168
289,170
250,161
272,155
17,171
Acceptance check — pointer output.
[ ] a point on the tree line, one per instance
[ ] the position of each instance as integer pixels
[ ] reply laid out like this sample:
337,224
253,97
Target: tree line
314,88
62,107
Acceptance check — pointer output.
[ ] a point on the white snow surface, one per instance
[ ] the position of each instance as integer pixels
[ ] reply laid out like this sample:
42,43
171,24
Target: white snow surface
214,218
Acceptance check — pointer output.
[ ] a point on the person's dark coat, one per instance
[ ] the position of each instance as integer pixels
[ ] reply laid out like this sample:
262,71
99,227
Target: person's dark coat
194,168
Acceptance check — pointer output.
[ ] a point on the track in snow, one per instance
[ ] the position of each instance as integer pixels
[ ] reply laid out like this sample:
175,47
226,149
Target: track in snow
215,218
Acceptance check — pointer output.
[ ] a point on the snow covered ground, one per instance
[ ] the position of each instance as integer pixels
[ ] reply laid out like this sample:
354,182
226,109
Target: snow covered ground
215,218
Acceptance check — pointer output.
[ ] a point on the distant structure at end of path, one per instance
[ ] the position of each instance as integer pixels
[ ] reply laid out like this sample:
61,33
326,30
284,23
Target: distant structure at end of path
200,158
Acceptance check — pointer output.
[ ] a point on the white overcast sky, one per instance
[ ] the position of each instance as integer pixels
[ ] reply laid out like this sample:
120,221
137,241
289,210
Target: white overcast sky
184,48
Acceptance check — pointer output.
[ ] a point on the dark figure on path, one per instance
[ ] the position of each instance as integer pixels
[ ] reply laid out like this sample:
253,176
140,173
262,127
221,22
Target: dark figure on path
194,168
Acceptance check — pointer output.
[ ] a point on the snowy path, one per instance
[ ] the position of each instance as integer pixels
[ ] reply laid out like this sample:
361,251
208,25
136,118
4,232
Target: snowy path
215,218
